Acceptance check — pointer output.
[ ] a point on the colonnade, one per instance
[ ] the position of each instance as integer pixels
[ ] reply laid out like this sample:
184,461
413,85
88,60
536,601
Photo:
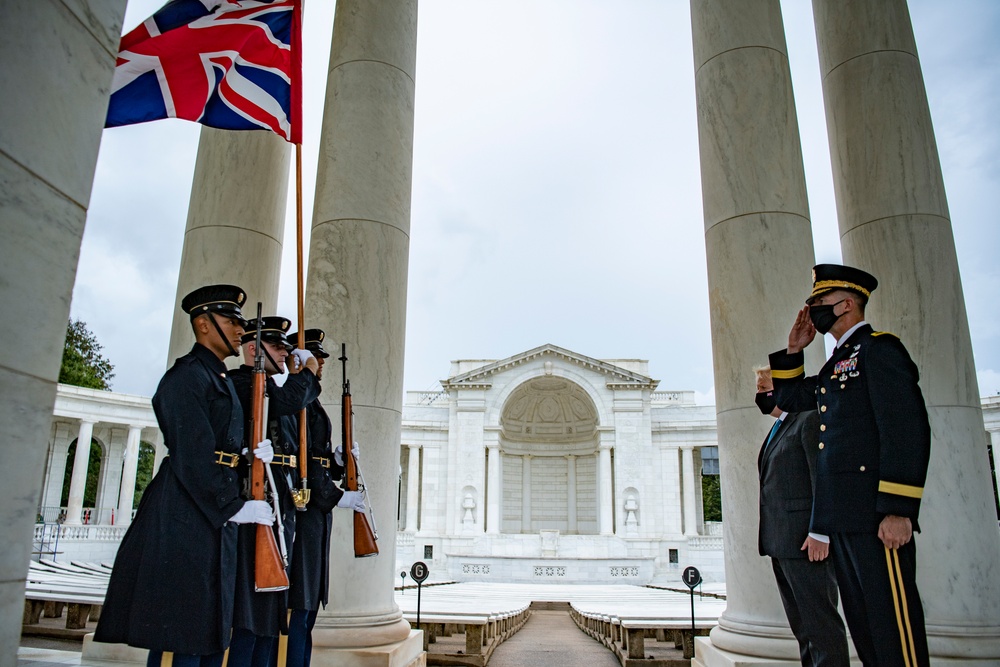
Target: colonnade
687,521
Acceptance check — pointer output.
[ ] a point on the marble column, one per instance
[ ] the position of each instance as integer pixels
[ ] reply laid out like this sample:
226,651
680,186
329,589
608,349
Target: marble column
604,487
758,243
56,63
356,292
493,486
78,480
571,494
235,224
690,493
526,494
413,488
130,465
894,222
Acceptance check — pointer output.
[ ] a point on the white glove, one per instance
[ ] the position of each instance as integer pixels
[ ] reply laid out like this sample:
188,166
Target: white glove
264,451
254,511
352,500
302,356
338,454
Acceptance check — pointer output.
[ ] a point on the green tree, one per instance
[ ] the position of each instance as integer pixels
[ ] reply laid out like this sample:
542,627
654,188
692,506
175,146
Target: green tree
711,495
83,365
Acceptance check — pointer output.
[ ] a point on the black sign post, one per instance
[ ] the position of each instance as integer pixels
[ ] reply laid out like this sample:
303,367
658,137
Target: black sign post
402,586
691,577
419,572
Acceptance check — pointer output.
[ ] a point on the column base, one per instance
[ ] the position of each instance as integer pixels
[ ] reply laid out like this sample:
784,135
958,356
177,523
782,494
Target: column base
706,654
99,653
407,653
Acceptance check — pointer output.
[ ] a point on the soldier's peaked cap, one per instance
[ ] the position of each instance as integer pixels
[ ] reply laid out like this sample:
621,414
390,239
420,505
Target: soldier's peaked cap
225,300
830,277
313,341
273,329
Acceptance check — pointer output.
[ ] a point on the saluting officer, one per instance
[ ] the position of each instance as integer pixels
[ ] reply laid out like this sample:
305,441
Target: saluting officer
173,583
260,617
874,447
310,570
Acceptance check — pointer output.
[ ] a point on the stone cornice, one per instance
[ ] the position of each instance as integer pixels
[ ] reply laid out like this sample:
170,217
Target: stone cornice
103,407
618,377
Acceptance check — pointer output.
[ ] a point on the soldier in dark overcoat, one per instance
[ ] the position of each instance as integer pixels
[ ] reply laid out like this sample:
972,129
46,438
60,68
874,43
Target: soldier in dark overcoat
310,573
873,452
260,617
174,577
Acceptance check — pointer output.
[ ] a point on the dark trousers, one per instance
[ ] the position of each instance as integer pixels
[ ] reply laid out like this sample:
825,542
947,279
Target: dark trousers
155,659
881,602
300,625
809,594
250,650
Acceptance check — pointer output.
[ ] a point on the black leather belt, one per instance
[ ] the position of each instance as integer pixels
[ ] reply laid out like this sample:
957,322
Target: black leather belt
284,460
324,462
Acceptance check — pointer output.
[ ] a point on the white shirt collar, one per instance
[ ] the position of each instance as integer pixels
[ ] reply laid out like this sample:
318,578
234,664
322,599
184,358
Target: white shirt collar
847,334
782,416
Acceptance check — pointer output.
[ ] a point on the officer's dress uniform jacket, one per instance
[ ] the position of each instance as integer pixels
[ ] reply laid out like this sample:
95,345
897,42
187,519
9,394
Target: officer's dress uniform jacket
310,573
787,468
172,586
874,442
873,451
264,613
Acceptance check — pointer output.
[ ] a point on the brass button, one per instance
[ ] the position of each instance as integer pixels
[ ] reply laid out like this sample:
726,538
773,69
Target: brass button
821,445
822,390
822,427
823,409
862,468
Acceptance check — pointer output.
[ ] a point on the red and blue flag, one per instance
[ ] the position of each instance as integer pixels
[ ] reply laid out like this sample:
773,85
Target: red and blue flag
233,65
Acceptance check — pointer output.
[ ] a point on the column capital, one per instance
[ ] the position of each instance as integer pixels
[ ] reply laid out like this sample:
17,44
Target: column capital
492,446
606,446
413,446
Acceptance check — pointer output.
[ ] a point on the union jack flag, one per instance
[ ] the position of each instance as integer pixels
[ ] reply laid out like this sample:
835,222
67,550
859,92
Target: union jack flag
230,64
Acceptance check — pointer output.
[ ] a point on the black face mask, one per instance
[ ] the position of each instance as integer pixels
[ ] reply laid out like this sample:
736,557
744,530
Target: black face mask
823,318
765,401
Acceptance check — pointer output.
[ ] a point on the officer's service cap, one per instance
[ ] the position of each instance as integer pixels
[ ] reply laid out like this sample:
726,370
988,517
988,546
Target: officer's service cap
313,341
273,329
222,299
830,277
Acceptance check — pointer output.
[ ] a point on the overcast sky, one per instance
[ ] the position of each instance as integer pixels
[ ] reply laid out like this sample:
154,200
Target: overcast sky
556,187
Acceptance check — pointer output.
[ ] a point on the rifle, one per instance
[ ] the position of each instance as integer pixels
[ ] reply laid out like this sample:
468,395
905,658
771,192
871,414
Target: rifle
364,536
269,563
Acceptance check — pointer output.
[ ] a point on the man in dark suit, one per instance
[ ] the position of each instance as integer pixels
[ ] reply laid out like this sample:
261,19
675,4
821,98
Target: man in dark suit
804,575
872,462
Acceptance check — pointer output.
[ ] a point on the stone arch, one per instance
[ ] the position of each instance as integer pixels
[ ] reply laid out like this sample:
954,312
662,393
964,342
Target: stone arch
586,383
549,447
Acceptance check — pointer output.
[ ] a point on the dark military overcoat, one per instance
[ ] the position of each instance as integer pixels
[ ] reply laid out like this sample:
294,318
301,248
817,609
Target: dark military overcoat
310,573
875,438
174,576
264,614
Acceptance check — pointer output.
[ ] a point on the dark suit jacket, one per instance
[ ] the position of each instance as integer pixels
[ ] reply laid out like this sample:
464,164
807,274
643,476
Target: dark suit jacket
787,470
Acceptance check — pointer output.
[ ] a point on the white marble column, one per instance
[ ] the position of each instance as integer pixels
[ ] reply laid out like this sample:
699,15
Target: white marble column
493,485
759,247
894,222
571,494
526,493
413,488
690,493
56,64
604,488
236,213
356,292
78,480
130,465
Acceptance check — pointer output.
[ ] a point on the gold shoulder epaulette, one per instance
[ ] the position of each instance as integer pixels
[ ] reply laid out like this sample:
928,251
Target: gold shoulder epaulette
884,333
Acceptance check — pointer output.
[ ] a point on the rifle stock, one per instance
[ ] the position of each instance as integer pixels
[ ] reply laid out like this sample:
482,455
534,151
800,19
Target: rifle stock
269,567
364,537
